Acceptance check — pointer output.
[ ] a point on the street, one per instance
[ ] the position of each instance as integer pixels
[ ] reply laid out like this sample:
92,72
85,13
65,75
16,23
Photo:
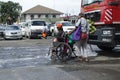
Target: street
28,60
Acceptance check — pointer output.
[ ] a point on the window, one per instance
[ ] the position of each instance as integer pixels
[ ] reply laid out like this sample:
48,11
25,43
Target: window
12,28
39,15
38,23
67,24
93,16
86,2
54,16
46,15
32,16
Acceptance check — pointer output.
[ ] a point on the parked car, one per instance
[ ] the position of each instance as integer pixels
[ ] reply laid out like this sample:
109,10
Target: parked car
67,26
12,32
35,28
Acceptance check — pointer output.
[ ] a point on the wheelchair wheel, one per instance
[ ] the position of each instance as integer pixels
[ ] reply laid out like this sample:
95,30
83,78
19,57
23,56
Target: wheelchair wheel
63,52
49,51
52,54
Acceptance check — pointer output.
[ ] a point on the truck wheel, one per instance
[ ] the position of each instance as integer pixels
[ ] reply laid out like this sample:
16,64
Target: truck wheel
105,48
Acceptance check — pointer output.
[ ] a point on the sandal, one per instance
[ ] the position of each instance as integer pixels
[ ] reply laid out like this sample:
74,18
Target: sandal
86,59
80,58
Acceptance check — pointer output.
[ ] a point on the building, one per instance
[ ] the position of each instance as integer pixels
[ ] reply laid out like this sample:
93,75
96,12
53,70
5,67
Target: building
41,12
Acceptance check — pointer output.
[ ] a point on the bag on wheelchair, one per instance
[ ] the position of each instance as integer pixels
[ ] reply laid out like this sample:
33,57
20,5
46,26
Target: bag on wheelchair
70,40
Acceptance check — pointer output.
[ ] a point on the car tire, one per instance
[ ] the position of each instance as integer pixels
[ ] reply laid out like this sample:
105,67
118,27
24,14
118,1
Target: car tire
4,37
21,38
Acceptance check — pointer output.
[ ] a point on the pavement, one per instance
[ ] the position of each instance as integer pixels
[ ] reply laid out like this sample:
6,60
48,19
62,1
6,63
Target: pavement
29,64
80,71
35,73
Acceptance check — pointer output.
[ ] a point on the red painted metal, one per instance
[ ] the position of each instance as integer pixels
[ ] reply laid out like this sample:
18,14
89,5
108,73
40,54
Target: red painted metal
110,14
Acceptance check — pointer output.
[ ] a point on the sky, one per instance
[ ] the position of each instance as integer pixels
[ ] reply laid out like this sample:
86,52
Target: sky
66,6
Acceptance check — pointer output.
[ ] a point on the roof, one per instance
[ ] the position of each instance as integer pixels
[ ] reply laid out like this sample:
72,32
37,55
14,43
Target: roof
41,10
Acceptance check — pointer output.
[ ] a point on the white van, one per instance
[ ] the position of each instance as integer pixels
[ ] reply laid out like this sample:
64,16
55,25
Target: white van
34,28
22,27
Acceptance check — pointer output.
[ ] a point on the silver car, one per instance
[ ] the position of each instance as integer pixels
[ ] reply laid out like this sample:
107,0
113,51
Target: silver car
12,32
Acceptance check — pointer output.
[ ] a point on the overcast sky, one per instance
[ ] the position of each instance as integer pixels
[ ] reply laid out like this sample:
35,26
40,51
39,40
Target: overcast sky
65,6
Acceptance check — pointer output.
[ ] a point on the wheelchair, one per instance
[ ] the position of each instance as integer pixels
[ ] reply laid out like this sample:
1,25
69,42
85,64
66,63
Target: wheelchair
62,51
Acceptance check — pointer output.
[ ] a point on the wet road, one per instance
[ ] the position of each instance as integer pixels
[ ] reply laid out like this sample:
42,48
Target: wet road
18,53
20,57
15,53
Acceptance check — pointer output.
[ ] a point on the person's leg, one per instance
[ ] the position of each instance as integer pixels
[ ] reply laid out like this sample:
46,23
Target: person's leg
78,45
84,47
79,51
52,45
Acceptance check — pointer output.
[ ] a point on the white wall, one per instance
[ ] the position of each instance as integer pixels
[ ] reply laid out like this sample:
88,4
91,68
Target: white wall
57,16
35,16
28,17
42,16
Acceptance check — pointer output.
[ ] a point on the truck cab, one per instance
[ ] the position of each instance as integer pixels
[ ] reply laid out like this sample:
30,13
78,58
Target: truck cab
105,14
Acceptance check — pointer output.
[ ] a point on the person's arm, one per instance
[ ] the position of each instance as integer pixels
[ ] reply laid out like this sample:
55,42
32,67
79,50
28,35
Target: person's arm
72,31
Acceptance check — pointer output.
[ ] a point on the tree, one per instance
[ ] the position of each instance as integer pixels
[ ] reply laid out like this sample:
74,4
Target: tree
10,12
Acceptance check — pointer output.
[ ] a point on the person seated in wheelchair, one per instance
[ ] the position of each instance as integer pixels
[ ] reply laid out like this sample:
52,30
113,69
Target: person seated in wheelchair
60,35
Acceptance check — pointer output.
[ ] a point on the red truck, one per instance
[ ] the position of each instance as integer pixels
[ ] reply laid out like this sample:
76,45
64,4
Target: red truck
106,17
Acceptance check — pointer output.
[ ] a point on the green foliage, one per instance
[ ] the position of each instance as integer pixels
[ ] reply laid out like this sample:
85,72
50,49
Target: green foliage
9,11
